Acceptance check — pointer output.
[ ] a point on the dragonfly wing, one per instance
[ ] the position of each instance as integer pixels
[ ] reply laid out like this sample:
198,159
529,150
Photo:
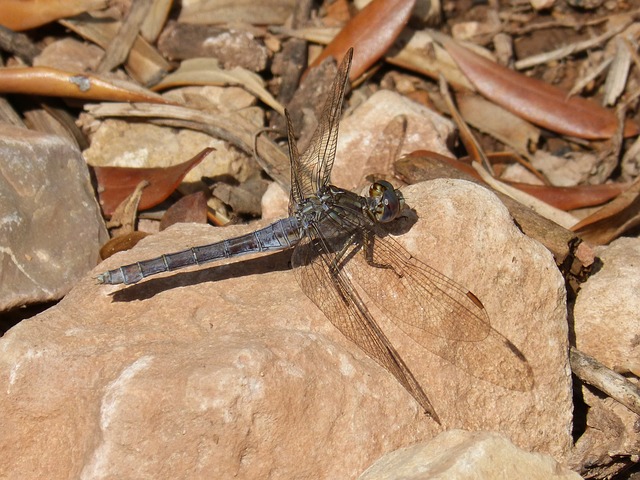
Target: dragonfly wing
439,314
312,169
334,294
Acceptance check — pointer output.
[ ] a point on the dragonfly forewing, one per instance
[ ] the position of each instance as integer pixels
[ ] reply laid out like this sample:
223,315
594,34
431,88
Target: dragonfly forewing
437,313
328,287
312,169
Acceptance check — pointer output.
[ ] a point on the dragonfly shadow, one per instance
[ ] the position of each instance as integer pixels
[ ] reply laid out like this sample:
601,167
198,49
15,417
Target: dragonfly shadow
275,262
401,225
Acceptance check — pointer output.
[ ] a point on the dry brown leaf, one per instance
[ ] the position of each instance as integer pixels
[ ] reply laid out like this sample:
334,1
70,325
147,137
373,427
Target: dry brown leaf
123,220
121,243
536,101
564,198
371,32
116,183
58,83
189,209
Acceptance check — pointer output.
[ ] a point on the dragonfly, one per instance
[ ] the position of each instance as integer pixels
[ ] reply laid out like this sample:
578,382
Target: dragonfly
339,241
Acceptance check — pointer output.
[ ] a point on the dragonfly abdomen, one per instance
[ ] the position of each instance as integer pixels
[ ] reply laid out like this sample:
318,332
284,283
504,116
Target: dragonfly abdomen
277,236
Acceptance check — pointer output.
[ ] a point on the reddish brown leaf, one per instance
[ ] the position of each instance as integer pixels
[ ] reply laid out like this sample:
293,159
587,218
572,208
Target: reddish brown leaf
189,209
371,32
564,198
52,82
570,198
536,101
116,183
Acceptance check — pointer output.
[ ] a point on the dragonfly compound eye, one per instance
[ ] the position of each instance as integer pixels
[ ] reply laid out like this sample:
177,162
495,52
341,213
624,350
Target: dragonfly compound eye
387,203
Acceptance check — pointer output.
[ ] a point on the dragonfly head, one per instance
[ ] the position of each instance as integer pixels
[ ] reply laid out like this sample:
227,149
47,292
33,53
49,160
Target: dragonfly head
386,202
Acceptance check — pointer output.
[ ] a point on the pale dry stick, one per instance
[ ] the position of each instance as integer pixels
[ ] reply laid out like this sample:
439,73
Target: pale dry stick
566,22
468,138
590,371
618,73
573,48
589,77
118,50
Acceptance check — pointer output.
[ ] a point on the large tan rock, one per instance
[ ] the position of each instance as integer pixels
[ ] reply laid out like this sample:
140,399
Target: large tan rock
606,328
606,310
461,455
231,370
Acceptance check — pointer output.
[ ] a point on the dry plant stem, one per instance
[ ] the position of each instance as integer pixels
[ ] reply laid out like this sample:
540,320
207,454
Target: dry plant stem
592,75
118,50
567,22
231,128
573,48
614,218
468,139
590,371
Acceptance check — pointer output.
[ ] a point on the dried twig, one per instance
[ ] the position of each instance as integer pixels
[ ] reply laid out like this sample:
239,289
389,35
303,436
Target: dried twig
590,371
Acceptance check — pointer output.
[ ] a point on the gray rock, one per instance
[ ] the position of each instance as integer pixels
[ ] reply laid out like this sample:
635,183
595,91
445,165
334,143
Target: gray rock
51,227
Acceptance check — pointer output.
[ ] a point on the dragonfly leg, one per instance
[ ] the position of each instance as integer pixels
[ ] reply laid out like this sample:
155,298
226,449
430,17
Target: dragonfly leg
369,245
344,254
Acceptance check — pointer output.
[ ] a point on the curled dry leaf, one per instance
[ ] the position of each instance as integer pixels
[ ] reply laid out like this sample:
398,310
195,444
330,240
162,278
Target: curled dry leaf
25,14
52,82
207,71
372,31
563,198
613,219
572,255
534,100
116,183
571,198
